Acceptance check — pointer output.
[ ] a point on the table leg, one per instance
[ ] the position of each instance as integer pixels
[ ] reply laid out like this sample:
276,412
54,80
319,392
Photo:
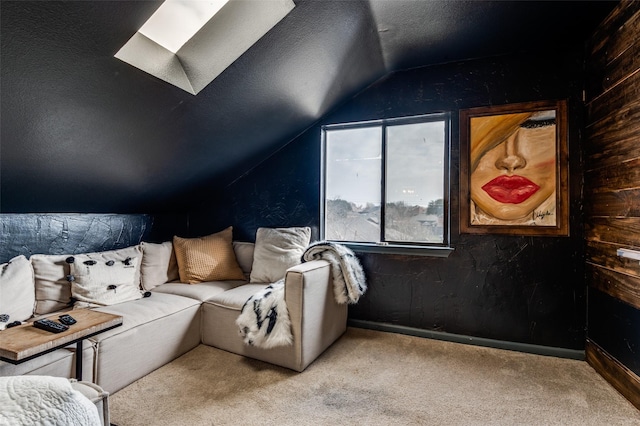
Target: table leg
79,360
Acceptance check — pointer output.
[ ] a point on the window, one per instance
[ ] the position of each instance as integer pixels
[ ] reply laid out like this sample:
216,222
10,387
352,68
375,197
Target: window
385,183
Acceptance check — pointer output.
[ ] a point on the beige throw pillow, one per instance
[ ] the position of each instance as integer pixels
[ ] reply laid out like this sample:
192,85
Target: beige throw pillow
276,250
17,294
159,264
96,281
209,258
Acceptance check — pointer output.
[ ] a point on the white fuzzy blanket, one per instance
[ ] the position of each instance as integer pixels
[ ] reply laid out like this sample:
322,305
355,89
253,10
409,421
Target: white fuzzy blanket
44,400
264,319
349,282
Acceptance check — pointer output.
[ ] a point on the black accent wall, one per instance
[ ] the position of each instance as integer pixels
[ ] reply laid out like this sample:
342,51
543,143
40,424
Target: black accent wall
83,131
520,289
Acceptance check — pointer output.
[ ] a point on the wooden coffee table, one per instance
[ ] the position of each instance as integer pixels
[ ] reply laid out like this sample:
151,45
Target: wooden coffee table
24,342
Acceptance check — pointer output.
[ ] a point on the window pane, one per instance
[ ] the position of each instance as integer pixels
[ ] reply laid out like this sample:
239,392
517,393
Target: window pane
352,184
414,209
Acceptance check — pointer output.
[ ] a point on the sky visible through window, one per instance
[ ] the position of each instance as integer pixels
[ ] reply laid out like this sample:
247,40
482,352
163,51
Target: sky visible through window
353,165
415,155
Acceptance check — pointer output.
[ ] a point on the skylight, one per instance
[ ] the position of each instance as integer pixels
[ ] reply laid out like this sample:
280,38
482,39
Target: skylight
188,43
176,21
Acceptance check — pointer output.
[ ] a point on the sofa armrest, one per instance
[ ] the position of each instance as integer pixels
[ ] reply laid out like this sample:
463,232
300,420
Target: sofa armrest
310,266
317,320
309,279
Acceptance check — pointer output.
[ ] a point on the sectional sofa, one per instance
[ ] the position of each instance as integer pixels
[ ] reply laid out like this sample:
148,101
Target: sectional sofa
181,309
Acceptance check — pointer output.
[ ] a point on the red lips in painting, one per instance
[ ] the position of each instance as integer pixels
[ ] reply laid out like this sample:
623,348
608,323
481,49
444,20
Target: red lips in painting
510,189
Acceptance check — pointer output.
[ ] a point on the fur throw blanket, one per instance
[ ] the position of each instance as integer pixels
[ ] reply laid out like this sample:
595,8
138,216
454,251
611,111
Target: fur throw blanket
349,282
264,320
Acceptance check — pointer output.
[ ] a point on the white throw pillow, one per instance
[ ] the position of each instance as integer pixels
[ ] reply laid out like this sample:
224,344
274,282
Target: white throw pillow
17,291
159,264
276,250
101,282
244,255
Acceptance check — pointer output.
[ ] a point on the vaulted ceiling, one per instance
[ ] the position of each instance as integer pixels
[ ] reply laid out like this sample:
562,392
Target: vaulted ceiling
83,131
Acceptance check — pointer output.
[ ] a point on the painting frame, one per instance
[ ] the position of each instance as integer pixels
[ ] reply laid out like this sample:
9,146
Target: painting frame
473,148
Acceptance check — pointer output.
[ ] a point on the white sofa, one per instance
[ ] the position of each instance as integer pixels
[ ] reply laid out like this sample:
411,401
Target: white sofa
177,317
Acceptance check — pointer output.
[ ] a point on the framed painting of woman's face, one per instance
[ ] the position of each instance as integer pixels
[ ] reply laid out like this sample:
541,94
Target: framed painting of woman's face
514,169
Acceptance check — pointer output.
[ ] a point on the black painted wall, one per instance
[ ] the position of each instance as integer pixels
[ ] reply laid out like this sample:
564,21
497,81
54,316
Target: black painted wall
519,289
85,132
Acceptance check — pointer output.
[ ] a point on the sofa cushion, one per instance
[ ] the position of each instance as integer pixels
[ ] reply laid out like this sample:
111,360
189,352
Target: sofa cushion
159,264
53,291
17,294
276,250
142,311
200,292
236,297
103,282
155,330
209,258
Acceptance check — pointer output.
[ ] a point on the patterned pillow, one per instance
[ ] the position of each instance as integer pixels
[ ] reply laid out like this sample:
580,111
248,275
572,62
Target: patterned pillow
100,282
276,250
209,258
53,291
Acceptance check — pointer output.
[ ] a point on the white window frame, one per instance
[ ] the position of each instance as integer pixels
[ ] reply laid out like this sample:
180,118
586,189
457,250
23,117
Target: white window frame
415,248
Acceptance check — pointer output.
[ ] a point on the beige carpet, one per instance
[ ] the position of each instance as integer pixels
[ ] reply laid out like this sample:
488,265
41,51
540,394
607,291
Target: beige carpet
375,378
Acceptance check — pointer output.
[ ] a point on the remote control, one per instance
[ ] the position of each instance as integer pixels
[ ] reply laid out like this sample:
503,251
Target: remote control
67,319
48,325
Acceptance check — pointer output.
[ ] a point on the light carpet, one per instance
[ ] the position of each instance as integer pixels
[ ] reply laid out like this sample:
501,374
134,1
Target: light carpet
375,378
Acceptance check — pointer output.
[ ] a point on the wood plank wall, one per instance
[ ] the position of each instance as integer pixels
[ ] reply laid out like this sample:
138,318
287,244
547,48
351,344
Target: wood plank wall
612,198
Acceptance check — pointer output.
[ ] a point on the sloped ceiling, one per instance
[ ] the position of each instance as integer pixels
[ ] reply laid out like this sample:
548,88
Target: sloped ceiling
82,131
